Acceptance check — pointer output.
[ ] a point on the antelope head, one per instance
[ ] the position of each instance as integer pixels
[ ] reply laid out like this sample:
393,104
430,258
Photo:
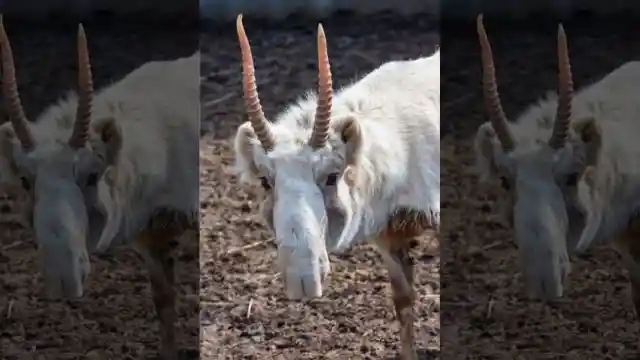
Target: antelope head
307,176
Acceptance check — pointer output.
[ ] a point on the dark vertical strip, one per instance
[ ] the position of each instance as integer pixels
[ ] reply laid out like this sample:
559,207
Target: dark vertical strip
485,313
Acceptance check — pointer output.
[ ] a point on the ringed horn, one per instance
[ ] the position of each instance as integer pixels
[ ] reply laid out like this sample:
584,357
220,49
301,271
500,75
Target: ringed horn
565,93
259,122
11,94
492,97
16,112
325,94
85,85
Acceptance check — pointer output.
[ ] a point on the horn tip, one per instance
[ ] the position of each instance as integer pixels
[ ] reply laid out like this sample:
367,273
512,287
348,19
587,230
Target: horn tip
321,35
480,23
239,25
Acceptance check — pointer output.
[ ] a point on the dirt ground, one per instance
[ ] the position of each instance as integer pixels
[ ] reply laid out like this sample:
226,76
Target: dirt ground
115,319
484,314
244,313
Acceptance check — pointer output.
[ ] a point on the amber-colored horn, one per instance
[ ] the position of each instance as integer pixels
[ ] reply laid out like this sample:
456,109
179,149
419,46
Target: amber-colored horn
259,122
325,94
85,84
493,104
11,94
565,93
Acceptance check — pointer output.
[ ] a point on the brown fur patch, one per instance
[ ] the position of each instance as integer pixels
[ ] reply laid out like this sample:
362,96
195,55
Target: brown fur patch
172,221
405,225
165,227
152,241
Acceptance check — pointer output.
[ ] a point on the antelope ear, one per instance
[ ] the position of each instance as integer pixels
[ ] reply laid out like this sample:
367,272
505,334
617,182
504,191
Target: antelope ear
590,133
350,132
109,176
110,135
484,147
244,143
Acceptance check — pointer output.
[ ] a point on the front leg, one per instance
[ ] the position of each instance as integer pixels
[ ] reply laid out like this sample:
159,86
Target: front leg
397,259
628,246
156,249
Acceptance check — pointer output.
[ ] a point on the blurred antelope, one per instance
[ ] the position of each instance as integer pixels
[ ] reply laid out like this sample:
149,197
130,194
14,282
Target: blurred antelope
337,169
571,167
124,171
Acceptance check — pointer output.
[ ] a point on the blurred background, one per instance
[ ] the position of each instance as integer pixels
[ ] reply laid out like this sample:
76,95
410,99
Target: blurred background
60,9
484,312
115,319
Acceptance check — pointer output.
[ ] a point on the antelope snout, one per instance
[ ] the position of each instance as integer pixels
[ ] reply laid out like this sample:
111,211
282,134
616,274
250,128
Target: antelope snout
57,288
303,277
67,281
302,287
547,282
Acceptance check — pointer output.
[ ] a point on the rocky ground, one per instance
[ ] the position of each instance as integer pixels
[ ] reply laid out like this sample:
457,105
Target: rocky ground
244,313
484,315
115,319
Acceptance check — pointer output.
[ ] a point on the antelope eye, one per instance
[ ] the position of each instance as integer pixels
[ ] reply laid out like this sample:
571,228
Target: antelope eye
572,179
505,183
265,183
332,179
92,180
25,183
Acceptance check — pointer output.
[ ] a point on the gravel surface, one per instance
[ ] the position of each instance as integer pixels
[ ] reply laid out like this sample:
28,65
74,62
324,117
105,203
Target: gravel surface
484,314
115,319
244,314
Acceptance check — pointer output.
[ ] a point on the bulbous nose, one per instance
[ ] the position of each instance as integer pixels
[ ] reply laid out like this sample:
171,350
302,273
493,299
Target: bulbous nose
545,289
58,289
548,283
303,287
72,291
69,284
303,278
